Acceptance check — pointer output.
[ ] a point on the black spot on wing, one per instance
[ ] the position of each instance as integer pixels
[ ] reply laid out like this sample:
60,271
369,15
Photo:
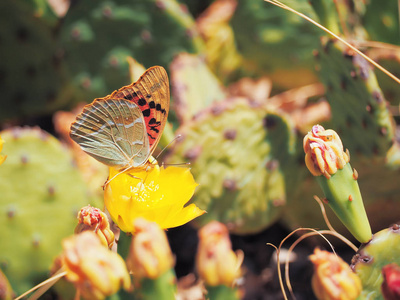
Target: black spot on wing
152,121
158,107
152,104
146,112
152,137
154,129
141,102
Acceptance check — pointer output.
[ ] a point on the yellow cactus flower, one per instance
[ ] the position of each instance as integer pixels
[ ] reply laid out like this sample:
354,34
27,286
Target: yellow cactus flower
93,219
216,263
149,255
95,271
2,157
324,151
333,279
157,194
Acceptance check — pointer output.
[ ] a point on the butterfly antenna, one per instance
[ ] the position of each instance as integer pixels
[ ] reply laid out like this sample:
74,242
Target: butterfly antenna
174,140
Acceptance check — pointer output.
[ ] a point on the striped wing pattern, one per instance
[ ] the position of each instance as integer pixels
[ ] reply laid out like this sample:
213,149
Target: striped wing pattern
151,94
113,131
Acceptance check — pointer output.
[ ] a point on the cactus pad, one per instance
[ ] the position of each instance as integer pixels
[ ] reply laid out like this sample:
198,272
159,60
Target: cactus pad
382,250
41,193
31,72
237,154
359,109
276,43
99,36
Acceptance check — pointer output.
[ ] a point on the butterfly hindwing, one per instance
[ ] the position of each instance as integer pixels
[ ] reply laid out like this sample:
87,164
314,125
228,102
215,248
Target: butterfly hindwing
113,131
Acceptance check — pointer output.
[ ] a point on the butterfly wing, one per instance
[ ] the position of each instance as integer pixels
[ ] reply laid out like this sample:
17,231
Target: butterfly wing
113,131
151,94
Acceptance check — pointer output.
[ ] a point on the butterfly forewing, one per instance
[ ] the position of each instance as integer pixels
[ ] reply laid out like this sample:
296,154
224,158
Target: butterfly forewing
151,94
112,131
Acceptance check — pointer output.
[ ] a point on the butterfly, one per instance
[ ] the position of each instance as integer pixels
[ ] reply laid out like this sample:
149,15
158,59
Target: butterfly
122,130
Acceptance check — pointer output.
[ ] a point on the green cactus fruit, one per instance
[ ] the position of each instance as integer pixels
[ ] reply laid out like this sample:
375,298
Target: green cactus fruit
383,249
237,154
163,287
99,36
275,42
359,109
343,196
190,97
31,72
222,292
41,193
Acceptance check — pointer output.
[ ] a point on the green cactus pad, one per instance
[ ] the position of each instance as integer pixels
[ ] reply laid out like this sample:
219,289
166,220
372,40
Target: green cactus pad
31,72
187,71
382,21
275,42
41,193
98,36
359,109
382,250
237,155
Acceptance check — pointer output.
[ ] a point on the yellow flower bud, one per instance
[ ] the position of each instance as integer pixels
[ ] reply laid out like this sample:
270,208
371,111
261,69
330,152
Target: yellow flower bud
93,219
149,255
216,263
324,152
95,271
333,279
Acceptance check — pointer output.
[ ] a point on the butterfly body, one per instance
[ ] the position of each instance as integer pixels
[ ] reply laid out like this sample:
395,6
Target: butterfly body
122,130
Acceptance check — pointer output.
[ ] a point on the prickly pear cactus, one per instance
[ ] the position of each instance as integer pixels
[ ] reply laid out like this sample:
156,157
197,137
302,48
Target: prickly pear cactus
275,42
41,193
359,109
190,97
237,155
31,72
382,250
98,36
382,21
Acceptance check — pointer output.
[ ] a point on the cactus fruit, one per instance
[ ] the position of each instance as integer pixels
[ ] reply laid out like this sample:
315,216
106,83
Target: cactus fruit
237,153
382,250
41,192
99,36
327,161
30,82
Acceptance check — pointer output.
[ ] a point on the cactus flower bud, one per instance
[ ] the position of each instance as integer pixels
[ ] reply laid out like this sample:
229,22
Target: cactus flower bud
325,156
333,279
149,255
391,282
95,271
93,219
324,152
216,263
